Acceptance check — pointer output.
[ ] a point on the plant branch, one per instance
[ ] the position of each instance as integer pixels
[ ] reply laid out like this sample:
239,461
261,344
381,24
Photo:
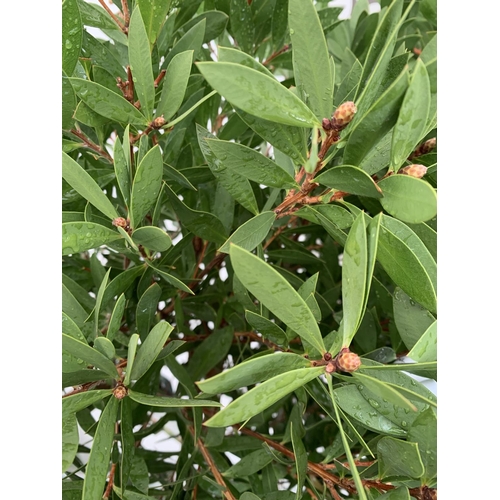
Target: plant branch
115,19
275,54
91,145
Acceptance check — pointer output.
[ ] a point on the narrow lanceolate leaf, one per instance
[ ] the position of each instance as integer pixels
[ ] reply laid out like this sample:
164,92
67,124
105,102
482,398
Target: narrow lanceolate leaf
203,224
68,105
257,94
146,399
132,349
98,464
424,432
242,24
408,262
252,372
249,464
375,122
412,119
249,163
172,280
146,185
107,103
116,317
251,233
121,170
263,396
408,198
350,179
153,238
89,355
80,236
150,348
77,402
300,453
398,458
426,347
269,330
227,54
82,182
354,278
71,35
69,441
139,57
237,185
98,302
274,291
153,14
311,64
175,84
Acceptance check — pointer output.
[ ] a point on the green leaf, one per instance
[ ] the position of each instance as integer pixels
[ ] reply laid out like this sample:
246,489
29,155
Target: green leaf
86,186
378,119
77,402
263,396
350,179
269,330
300,453
192,40
354,278
80,236
150,348
274,291
68,325
71,35
426,347
398,459
73,310
146,399
242,24
105,347
400,493
98,464
238,186
412,119
153,14
98,302
153,238
349,85
289,140
216,22
147,309
107,103
175,84
69,441
408,263
89,355
121,283
311,64
139,57
121,170
132,349
408,199
249,163
146,185
257,94
253,371
354,404
424,432
68,103
249,464
203,224
251,233
177,283
231,55
211,351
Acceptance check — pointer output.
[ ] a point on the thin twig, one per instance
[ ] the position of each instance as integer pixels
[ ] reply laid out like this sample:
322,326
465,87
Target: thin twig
91,145
275,54
115,19
126,12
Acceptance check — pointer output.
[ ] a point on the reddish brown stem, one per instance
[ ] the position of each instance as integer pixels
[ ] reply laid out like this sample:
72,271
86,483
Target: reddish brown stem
92,145
115,19
126,12
275,54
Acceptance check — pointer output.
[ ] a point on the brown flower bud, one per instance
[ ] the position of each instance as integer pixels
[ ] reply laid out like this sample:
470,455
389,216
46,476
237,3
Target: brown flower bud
158,122
330,368
424,148
120,222
327,125
327,356
343,115
348,362
120,392
416,170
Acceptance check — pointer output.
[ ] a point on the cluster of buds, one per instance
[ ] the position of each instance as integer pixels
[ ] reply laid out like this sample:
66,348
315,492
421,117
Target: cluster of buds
415,170
121,222
158,122
341,118
424,148
120,391
345,361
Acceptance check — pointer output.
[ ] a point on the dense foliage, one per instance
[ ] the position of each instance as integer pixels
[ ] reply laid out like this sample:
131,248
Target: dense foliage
249,216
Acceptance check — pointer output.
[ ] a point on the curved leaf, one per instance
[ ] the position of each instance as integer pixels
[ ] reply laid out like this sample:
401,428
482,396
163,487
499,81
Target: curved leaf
257,94
77,402
253,371
146,399
69,441
426,347
350,179
152,237
398,458
78,178
408,199
107,103
263,396
71,35
274,291
80,236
